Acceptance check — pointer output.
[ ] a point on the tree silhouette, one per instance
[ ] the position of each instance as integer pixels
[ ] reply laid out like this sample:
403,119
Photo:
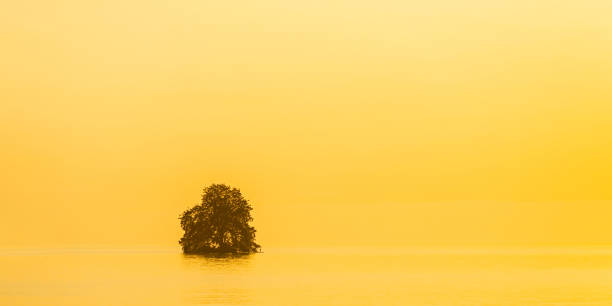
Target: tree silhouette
220,224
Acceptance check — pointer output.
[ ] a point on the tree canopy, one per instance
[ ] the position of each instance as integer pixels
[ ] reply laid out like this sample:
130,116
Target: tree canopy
219,224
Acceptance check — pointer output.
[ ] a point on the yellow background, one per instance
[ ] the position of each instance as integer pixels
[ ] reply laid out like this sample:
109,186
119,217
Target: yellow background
344,122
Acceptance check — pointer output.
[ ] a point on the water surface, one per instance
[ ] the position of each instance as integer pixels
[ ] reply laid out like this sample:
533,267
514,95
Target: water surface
342,276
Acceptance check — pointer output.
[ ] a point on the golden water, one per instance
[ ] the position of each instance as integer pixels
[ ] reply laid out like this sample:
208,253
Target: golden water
341,276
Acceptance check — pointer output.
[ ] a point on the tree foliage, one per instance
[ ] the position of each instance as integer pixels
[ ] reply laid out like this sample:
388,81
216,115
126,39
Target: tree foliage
219,224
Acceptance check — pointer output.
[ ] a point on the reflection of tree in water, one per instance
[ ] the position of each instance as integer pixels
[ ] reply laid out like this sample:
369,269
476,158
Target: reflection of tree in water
218,279
218,261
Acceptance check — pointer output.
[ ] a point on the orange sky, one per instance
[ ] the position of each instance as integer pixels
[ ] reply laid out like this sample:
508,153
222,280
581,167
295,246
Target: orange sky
344,122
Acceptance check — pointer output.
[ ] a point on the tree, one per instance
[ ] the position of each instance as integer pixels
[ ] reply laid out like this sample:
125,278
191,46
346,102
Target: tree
220,224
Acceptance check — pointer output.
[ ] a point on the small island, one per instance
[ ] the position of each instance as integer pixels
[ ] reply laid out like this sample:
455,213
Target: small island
220,224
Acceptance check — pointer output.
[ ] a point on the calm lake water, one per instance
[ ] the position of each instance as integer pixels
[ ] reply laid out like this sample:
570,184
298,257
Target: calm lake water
307,277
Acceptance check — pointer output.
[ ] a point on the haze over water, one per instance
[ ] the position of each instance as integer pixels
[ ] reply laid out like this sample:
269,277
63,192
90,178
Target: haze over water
316,276
477,129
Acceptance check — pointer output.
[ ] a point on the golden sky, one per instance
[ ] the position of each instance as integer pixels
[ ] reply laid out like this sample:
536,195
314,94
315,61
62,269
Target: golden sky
344,122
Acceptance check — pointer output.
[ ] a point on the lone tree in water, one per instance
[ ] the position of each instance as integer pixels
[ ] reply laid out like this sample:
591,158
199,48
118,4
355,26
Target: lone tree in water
220,224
